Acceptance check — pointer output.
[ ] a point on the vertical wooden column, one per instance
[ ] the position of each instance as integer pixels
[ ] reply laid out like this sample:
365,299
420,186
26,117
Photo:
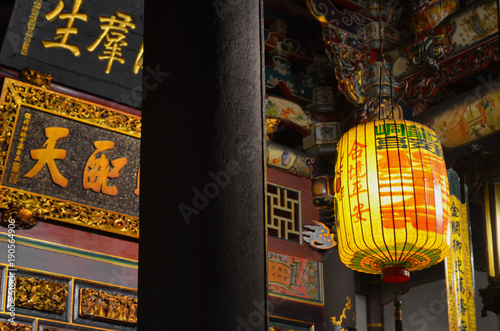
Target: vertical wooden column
202,262
340,296
374,308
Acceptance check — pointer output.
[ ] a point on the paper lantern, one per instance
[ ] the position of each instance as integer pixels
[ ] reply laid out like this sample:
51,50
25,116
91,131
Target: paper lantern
391,198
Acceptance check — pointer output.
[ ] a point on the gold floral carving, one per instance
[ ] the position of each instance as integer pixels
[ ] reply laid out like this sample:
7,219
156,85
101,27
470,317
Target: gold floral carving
71,212
24,217
8,111
348,306
36,97
272,125
40,294
36,77
7,326
108,307
16,93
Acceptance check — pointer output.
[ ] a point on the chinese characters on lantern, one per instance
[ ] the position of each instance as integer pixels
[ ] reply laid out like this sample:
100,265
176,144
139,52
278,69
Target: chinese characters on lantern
357,174
391,192
108,46
390,136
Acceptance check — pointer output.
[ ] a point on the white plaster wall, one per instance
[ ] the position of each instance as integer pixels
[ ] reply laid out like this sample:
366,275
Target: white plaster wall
361,312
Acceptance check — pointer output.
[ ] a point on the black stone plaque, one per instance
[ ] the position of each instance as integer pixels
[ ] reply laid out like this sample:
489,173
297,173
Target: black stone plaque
79,149
89,45
68,159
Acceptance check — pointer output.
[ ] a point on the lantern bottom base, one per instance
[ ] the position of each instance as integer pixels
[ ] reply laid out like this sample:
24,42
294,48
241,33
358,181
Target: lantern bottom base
396,274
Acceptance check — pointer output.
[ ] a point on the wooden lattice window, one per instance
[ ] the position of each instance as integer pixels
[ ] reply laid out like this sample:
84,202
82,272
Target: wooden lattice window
283,213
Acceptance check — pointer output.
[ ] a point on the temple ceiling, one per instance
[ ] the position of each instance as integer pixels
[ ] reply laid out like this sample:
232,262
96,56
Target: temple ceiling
335,58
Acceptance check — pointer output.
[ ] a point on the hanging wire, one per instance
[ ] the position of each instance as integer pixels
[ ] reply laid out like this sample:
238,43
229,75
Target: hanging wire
382,70
380,92
394,259
498,21
392,98
382,65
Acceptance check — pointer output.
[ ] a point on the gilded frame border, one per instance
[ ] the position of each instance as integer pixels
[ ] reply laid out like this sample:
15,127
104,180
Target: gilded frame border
289,322
16,94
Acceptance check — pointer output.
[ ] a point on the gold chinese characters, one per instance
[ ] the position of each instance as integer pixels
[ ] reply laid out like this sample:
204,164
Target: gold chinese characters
112,38
97,168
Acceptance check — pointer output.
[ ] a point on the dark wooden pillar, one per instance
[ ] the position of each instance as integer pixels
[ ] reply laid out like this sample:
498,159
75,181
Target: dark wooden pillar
340,295
374,308
202,263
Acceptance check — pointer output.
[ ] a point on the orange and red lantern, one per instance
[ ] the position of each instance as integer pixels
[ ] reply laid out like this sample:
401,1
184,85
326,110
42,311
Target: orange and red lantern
392,198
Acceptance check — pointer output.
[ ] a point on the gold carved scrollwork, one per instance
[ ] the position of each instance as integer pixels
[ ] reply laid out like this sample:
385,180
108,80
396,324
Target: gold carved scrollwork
77,109
108,307
272,125
7,326
36,78
7,120
71,212
348,306
26,216
32,96
39,294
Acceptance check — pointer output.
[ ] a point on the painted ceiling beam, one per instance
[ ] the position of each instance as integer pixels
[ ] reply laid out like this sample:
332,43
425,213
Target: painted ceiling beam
464,44
349,21
441,52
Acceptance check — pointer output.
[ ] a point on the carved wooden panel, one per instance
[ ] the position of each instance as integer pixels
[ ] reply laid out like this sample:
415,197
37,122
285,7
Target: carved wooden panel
8,326
108,307
40,294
